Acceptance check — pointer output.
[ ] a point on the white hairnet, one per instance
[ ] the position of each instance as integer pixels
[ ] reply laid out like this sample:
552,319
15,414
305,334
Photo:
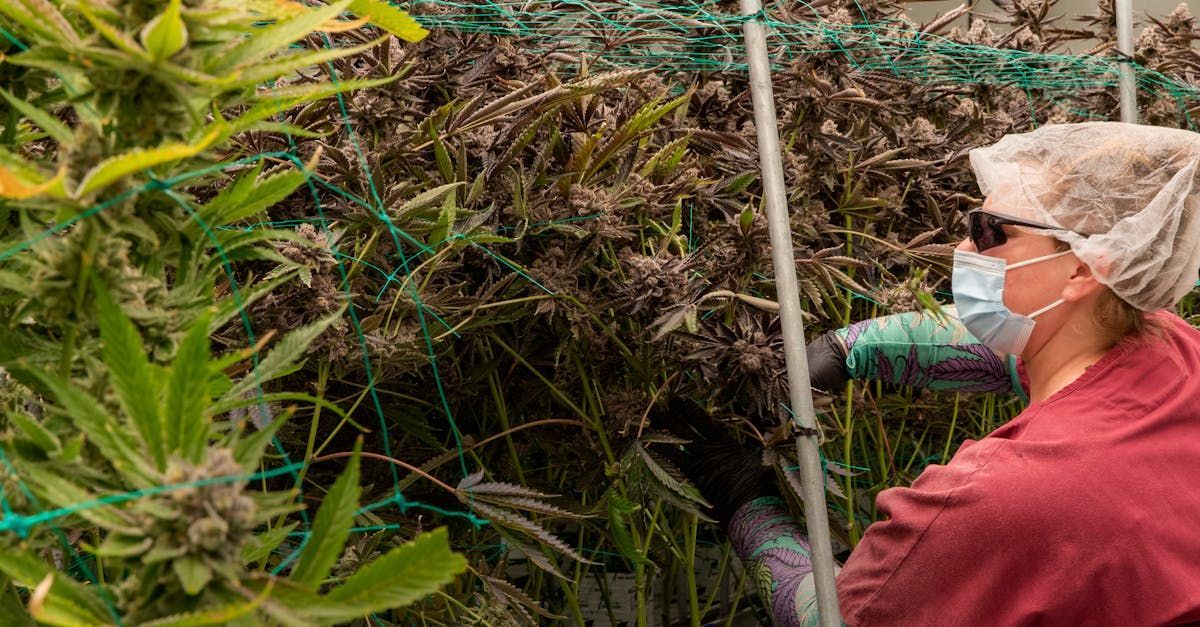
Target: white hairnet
1128,197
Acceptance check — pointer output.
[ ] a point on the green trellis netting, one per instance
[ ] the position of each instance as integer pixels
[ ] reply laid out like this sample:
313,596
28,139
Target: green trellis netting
679,37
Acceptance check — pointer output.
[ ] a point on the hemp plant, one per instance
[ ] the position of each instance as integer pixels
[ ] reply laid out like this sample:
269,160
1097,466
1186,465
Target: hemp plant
123,201
182,538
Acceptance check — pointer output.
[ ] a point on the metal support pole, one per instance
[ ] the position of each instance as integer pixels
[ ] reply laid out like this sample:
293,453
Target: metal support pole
811,473
1124,10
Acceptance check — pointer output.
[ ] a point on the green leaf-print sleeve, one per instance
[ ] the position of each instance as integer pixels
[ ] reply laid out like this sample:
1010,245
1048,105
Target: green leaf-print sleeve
925,350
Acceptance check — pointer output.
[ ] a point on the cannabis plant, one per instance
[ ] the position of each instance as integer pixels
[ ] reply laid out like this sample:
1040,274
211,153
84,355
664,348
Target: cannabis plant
180,535
125,248
636,264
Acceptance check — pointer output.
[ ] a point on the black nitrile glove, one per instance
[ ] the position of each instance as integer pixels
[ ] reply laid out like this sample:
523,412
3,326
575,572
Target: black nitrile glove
728,473
827,362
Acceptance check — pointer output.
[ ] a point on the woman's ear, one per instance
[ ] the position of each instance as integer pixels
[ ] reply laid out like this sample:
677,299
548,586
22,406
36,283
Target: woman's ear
1082,283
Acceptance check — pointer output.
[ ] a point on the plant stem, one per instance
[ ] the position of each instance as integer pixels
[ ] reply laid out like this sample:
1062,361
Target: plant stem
950,435
310,445
693,524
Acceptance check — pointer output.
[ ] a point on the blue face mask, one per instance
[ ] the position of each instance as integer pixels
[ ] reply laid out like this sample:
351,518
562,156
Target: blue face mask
978,286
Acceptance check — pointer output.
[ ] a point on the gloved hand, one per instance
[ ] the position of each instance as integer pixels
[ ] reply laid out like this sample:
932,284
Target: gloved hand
728,473
827,362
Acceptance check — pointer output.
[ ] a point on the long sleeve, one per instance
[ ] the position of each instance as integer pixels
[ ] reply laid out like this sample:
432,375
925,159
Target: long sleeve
776,555
925,350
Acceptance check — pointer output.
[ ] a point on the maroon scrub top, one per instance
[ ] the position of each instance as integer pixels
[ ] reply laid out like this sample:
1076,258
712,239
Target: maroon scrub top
1083,510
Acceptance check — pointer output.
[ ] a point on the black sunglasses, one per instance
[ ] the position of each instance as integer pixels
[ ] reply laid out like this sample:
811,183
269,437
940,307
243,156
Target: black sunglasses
986,228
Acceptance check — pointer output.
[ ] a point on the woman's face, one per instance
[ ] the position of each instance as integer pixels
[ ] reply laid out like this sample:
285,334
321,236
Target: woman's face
1030,288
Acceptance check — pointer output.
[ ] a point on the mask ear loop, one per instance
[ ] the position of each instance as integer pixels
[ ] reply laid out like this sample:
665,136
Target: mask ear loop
1046,308
1029,262
1036,260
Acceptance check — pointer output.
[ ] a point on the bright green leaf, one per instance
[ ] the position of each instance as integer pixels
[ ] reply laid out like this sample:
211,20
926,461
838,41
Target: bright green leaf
84,601
42,437
402,576
120,545
187,394
331,527
265,193
166,34
390,18
283,356
125,357
193,574
101,428
278,36
285,65
115,168
260,546
53,127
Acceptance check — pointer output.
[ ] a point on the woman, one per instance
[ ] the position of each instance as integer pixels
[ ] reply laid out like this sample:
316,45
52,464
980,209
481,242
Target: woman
1081,510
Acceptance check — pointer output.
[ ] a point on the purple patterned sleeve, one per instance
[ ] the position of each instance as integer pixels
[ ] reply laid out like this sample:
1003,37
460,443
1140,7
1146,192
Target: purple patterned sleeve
777,556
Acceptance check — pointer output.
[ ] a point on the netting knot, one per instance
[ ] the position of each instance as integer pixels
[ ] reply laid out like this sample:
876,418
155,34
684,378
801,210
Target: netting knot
157,185
17,524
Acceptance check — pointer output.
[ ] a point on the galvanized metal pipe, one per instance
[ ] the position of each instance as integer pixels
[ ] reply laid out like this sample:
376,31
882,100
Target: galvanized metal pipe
1124,10
811,473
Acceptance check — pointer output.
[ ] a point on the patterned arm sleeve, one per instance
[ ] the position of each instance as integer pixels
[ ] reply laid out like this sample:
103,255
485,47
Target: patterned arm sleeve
926,350
776,555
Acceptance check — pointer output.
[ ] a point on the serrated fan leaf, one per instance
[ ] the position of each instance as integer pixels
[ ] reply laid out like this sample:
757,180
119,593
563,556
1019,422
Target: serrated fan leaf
32,21
227,308
833,488
59,611
386,16
280,66
282,358
669,476
670,321
682,504
663,437
275,101
118,38
278,36
528,504
115,168
259,546
232,193
331,527
265,193
187,394
518,522
98,425
427,198
516,594
470,480
503,488
846,280
125,357
402,576
536,557
62,492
